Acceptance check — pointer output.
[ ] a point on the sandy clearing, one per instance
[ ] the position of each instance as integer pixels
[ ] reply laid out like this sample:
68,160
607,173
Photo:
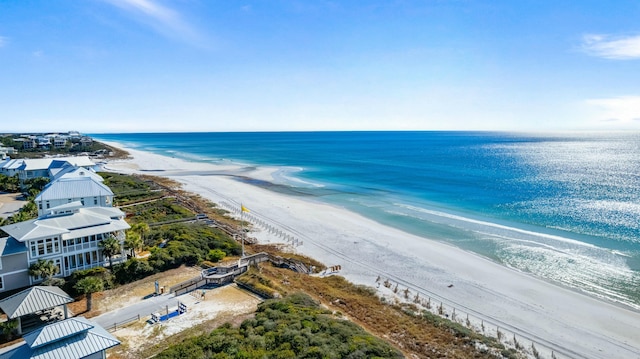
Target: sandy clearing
221,304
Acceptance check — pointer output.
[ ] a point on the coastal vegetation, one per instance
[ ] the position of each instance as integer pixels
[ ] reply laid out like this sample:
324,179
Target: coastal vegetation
292,327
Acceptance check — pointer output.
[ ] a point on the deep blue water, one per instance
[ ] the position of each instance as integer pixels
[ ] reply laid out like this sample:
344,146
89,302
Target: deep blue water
565,207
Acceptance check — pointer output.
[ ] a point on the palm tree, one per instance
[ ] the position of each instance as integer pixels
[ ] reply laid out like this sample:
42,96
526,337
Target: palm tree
110,247
133,242
142,228
88,286
43,268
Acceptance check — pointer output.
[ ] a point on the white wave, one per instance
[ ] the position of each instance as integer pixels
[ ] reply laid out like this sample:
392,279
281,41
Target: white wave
285,175
494,225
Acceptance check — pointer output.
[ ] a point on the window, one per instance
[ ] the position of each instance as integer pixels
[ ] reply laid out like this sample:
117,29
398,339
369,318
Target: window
95,200
1,283
44,246
41,247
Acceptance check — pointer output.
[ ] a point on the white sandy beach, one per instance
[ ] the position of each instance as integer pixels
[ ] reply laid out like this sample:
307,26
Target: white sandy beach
572,324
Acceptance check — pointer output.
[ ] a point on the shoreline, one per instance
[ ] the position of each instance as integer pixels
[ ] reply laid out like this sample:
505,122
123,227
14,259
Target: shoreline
582,325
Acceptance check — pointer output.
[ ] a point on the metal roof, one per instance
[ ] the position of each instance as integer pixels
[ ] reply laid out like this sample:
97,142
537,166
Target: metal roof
74,172
77,345
13,164
31,229
99,219
55,331
32,164
33,300
78,187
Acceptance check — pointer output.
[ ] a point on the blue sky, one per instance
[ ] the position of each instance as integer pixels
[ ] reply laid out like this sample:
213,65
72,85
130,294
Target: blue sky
224,65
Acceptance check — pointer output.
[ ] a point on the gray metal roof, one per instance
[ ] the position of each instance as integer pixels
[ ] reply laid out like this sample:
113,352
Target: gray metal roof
100,219
23,231
33,300
75,172
77,345
74,187
55,331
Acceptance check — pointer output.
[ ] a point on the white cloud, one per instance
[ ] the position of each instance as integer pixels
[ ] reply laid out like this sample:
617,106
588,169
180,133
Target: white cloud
612,47
161,18
622,110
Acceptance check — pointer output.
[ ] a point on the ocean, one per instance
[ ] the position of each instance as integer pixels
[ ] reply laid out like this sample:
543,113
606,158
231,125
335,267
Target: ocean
564,207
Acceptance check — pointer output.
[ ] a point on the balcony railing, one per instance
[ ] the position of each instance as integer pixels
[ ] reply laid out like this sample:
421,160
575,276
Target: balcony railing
80,247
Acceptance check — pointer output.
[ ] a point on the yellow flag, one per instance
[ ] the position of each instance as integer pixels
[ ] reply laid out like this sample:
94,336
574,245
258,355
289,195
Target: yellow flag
243,208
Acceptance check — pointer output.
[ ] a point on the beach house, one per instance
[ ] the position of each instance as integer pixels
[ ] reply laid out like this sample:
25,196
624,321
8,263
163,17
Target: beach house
42,167
69,235
74,184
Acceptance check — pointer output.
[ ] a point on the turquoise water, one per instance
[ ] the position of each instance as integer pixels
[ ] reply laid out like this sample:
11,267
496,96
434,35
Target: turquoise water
564,207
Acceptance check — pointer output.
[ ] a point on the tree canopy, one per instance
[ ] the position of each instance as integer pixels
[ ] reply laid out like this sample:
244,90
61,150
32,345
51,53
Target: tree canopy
43,268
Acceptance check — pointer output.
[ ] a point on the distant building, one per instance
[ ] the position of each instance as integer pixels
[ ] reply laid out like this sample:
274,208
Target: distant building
6,152
86,141
69,236
44,142
59,142
74,136
42,167
28,143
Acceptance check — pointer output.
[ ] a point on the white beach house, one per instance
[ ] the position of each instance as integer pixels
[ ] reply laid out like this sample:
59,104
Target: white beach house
74,185
68,235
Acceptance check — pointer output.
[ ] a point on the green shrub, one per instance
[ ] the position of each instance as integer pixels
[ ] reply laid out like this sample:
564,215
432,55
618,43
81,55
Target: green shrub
293,327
